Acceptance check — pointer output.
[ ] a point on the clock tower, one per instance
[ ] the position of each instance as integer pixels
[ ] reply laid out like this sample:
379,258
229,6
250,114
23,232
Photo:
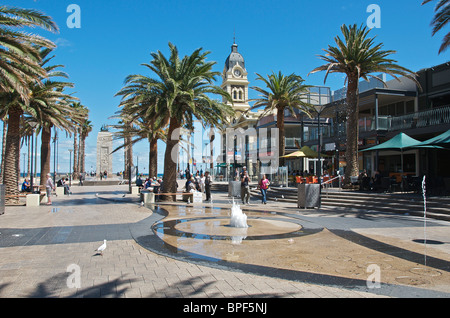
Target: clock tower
235,80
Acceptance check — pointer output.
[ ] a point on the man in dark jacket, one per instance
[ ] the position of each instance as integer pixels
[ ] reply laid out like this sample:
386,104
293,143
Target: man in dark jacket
208,183
245,188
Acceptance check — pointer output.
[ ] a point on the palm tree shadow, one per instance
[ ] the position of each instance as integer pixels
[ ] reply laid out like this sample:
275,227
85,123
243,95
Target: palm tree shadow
57,284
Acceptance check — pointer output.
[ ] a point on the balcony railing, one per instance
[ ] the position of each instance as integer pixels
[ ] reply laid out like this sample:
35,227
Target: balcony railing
430,117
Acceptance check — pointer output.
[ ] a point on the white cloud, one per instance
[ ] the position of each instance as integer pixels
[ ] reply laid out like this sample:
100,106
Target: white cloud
62,42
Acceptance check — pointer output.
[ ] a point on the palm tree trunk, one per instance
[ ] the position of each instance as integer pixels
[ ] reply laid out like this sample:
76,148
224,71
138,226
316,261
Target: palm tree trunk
46,138
129,153
75,154
211,139
281,141
12,153
5,130
153,160
170,165
79,153
82,151
351,154
29,159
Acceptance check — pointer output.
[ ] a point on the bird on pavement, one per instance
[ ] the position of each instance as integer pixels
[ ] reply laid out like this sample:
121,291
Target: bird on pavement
101,248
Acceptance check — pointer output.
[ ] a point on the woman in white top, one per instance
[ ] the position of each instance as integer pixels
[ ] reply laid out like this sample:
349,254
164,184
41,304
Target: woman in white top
202,183
49,186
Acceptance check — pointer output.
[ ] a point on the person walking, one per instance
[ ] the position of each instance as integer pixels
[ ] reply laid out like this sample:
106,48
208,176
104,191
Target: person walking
245,188
49,186
263,186
208,183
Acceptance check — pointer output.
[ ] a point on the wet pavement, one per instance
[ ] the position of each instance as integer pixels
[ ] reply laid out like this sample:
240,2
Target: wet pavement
181,250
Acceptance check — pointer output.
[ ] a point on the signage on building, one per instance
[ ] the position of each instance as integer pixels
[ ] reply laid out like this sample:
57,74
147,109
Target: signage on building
330,147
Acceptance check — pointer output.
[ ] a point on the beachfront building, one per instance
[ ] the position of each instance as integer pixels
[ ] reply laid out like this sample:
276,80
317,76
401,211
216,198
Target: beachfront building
385,112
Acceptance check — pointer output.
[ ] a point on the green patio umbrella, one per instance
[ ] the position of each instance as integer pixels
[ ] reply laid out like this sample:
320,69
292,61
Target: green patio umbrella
441,141
400,143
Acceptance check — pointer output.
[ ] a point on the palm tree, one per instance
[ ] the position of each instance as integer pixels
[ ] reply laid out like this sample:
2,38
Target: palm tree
77,107
86,128
179,94
49,105
357,56
283,92
440,20
141,129
19,66
139,118
19,53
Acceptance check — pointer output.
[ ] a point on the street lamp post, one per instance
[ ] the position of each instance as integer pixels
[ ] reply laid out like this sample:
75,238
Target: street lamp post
54,156
70,167
319,110
24,156
319,164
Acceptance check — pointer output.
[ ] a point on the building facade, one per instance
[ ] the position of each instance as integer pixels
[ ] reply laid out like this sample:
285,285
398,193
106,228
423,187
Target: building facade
402,106
384,111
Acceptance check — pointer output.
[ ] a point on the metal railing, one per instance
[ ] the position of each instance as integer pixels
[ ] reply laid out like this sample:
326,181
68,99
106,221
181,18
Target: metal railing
326,184
430,117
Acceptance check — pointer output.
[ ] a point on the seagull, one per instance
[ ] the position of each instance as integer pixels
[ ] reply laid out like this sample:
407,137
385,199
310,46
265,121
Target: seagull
96,194
101,248
142,203
123,196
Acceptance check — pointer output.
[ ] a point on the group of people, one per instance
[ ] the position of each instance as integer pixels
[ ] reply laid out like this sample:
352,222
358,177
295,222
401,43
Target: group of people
263,186
201,183
149,182
366,183
103,175
49,187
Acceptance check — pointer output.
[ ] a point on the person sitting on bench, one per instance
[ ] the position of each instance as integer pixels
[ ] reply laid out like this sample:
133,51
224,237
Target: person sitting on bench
26,186
139,182
62,183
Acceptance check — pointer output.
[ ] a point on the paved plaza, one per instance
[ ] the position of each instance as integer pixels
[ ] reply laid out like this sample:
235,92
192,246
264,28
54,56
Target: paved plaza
178,250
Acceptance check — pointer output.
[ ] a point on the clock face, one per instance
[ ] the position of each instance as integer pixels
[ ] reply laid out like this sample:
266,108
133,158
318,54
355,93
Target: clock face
237,72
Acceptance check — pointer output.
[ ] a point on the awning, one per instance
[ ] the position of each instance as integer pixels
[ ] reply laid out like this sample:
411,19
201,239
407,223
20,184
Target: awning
443,140
296,154
311,153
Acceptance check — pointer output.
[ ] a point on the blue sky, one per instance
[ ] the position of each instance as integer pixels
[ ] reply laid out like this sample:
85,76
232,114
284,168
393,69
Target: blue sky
116,36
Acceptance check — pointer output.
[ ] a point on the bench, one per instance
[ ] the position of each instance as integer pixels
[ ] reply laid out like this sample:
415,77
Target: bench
15,196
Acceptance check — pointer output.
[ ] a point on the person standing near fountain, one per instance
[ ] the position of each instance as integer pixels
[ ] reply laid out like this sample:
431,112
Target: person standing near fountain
245,188
263,186
208,183
49,186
